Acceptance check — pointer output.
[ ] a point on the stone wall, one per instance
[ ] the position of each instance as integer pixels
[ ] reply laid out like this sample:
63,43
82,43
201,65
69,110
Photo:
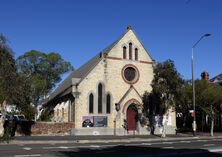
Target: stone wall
44,128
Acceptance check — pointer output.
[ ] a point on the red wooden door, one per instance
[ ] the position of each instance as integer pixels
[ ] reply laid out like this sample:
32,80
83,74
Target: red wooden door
131,119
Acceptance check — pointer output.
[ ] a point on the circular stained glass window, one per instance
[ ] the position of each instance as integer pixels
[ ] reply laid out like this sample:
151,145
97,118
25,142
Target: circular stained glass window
130,74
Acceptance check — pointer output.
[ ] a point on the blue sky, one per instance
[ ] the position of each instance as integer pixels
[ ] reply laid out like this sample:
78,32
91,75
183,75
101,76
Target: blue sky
79,29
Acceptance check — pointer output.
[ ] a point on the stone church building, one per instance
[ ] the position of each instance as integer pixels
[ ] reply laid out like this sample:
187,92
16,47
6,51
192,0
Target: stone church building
104,96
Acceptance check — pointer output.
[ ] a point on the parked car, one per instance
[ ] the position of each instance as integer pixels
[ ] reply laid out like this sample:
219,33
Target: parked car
9,117
10,125
19,118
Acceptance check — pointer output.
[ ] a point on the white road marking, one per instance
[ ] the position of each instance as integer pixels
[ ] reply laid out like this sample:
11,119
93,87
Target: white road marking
202,140
94,146
27,148
167,147
206,145
131,144
185,141
215,150
106,142
63,147
32,155
86,146
167,142
147,144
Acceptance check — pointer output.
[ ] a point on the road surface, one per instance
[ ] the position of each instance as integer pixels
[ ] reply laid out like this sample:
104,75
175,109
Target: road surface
191,148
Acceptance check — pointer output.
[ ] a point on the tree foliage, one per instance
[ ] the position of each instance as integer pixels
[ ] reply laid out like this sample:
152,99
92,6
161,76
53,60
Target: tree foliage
13,87
43,71
209,99
184,101
208,93
8,73
166,91
167,86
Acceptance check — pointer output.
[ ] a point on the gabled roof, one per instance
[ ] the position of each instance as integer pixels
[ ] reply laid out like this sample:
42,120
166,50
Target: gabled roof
65,87
217,79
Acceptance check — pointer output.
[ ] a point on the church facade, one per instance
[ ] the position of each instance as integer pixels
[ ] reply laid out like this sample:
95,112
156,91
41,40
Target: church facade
104,96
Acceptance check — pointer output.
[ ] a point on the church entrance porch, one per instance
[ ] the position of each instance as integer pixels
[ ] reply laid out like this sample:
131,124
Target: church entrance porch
131,118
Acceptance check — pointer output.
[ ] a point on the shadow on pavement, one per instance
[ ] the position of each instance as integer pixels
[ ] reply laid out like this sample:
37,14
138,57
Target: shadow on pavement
137,151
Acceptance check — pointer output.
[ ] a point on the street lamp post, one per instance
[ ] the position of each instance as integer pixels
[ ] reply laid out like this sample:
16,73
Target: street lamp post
193,83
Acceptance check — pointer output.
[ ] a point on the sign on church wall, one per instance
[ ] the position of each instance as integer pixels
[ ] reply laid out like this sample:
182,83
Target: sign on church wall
100,121
94,121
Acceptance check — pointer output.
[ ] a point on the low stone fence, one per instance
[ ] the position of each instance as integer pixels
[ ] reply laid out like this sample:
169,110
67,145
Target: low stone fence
44,128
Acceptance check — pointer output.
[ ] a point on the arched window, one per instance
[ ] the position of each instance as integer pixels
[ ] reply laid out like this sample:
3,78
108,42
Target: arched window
100,98
91,103
57,112
124,52
63,113
108,103
130,50
136,54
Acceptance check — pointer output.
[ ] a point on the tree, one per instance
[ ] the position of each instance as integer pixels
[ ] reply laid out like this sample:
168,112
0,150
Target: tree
209,99
7,71
184,105
150,109
8,76
43,71
166,89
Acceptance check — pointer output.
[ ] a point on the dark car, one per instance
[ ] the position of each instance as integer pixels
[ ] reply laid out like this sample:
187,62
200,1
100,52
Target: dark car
9,117
10,125
19,118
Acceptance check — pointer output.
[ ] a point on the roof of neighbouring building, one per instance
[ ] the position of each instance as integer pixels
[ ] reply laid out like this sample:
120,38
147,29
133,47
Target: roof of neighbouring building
217,79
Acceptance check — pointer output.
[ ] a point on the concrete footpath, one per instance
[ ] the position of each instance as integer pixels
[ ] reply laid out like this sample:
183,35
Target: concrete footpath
107,139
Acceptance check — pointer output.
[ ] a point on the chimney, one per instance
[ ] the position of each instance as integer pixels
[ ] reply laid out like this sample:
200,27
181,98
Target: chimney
205,75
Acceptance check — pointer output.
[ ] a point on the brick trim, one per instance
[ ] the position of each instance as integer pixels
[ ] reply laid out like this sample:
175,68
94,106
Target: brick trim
117,58
114,58
129,102
146,62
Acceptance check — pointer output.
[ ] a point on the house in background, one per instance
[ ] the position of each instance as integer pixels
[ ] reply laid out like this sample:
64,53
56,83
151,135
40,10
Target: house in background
217,79
218,121
104,96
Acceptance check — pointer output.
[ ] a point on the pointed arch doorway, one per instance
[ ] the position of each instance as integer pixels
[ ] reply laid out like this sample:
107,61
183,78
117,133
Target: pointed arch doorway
131,117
